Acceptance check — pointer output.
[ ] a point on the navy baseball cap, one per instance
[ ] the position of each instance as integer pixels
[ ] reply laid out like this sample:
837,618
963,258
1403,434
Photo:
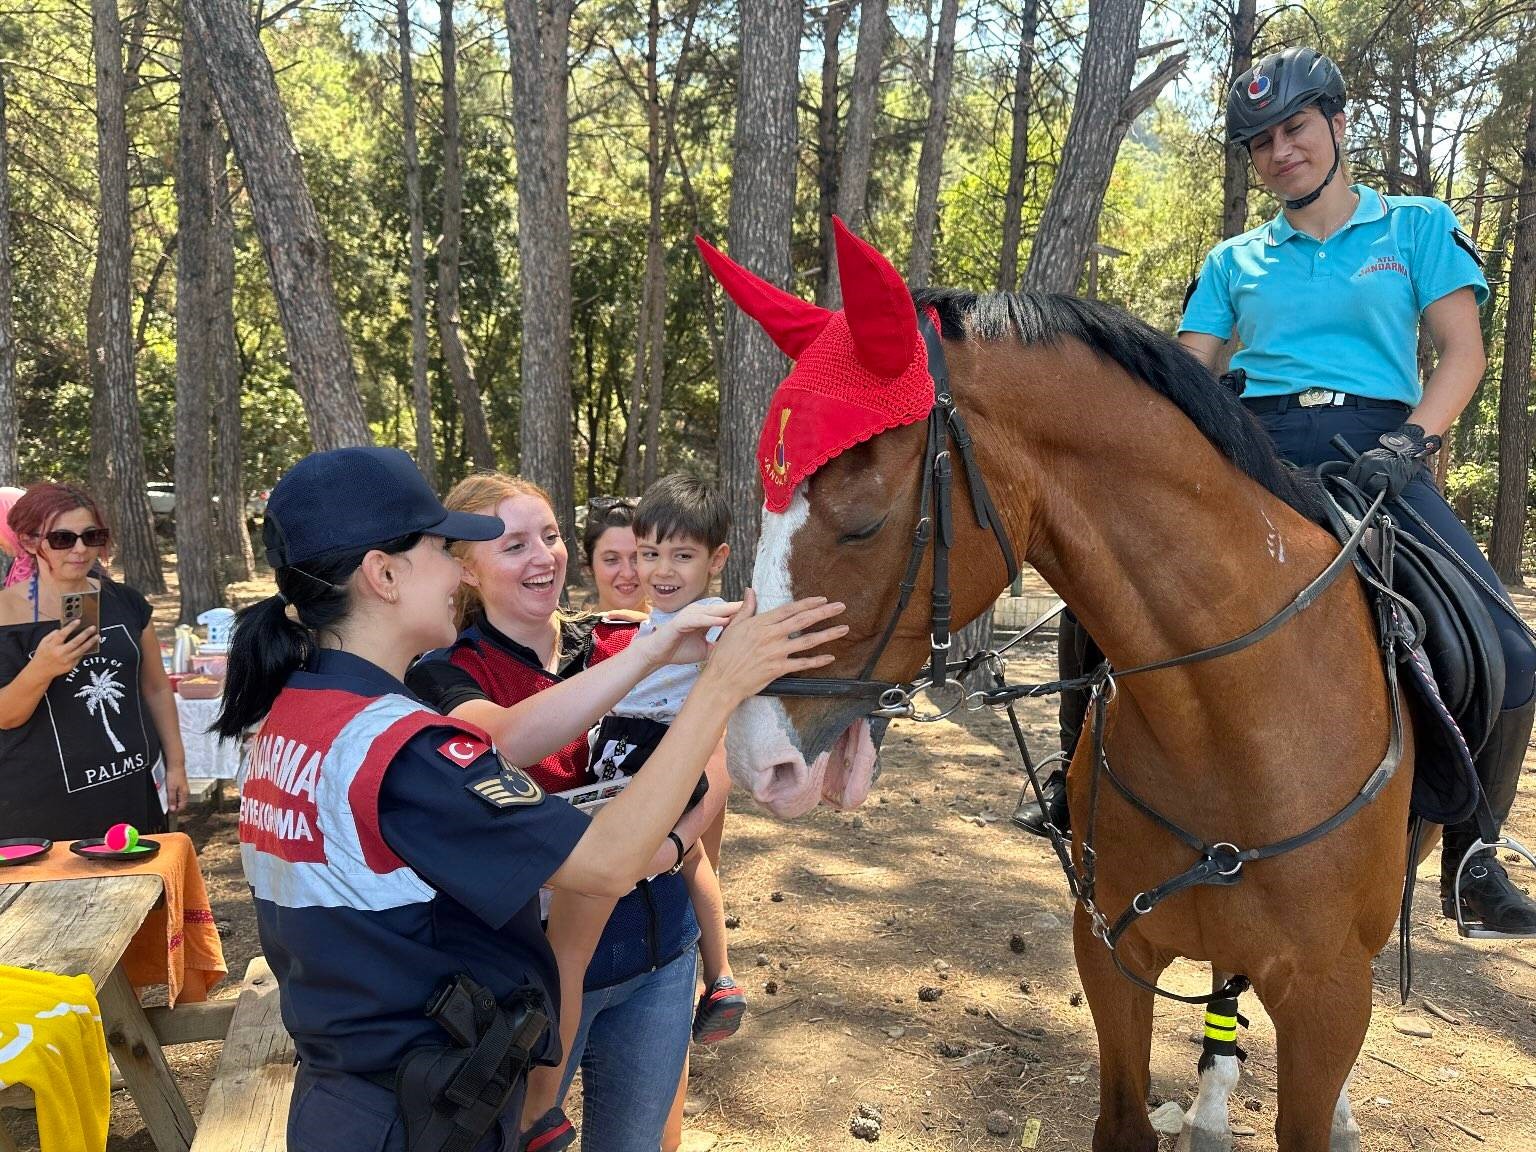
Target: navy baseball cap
352,498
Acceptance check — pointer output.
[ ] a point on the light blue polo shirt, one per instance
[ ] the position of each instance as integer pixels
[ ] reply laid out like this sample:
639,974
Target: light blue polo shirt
1342,314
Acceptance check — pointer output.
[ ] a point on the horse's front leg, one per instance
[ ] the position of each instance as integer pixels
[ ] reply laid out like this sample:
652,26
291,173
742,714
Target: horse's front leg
1206,1126
1320,1024
1122,1017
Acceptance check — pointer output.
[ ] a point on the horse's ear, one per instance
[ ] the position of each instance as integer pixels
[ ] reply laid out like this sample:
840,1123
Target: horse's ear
879,307
792,323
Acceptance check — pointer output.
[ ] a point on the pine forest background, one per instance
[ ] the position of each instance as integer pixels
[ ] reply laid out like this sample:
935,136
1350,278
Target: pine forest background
465,228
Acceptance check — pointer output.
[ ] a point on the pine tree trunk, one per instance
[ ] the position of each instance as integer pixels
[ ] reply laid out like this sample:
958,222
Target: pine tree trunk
827,158
10,452
632,429
102,476
1507,546
1234,179
421,395
655,253
196,549
134,530
1102,112
540,33
765,158
656,261
930,164
645,352
1018,157
291,240
460,368
859,129
224,360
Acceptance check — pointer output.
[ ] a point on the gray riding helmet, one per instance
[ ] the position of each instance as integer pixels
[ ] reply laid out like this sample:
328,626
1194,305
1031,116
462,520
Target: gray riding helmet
1278,87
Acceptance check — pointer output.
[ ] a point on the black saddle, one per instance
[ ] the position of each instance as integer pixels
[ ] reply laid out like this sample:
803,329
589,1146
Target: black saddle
1456,668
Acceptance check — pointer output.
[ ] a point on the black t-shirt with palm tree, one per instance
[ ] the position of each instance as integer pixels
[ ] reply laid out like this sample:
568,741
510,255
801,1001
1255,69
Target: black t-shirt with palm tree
89,755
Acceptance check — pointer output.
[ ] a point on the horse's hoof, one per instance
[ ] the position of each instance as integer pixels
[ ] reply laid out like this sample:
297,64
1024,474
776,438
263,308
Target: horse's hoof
1345,1137
1204,1138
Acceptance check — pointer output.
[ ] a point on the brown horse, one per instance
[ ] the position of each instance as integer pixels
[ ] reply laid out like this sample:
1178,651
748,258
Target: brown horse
1151,502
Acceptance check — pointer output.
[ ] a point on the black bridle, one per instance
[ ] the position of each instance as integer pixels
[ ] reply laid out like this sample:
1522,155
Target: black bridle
1218,862
935,525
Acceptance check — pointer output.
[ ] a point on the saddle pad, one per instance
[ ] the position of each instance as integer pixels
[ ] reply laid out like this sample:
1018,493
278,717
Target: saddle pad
1461,642
1457,674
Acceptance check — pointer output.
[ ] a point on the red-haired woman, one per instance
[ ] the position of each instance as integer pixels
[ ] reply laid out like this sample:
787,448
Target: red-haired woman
87,717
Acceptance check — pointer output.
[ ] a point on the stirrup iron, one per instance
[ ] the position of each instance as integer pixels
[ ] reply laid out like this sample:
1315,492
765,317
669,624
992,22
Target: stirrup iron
1471,931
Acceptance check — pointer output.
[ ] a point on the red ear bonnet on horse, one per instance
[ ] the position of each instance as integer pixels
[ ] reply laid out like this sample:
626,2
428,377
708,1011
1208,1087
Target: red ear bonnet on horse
857,372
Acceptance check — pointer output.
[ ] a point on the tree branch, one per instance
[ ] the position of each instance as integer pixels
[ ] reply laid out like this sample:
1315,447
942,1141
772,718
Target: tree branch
1141,97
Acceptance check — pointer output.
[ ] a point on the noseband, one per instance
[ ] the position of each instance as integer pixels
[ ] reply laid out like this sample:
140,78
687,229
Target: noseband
935,525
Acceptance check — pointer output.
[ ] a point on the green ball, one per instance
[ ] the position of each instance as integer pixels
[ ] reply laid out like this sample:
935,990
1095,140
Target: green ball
122,838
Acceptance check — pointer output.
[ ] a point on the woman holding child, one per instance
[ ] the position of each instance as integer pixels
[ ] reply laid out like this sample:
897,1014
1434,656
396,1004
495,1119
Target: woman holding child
394,854
637,993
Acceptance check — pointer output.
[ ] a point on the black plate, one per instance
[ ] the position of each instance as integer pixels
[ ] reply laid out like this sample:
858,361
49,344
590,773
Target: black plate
42,844
144,851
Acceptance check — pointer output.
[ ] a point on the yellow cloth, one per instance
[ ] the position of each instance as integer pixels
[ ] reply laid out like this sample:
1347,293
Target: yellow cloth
52,1041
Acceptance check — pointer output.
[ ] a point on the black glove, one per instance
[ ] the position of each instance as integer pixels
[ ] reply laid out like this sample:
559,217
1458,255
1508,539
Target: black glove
1390,467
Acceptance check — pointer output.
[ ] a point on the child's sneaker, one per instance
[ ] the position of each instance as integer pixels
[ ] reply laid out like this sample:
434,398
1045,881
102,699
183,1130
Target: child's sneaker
719,1012
550,1133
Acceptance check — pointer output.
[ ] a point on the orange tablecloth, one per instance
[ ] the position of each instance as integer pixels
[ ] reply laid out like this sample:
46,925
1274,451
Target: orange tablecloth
178,944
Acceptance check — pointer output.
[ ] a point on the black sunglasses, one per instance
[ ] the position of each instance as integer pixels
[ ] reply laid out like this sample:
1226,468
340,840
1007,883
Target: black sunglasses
62,539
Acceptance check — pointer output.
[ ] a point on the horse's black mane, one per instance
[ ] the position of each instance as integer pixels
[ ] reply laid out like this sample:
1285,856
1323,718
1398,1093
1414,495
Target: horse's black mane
1037,318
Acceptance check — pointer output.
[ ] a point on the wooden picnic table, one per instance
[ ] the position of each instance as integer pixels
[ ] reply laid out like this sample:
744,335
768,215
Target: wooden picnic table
82,927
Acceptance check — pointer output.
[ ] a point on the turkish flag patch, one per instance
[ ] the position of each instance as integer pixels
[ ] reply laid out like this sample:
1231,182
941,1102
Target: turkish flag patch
463,750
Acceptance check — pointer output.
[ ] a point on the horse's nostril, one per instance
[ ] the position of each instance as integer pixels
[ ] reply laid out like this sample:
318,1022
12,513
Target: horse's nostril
785,774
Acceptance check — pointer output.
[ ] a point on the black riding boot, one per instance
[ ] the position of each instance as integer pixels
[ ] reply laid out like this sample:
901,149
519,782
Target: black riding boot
1075,654
1489,898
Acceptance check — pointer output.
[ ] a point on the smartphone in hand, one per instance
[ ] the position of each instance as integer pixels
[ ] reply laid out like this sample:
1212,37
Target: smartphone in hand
86,607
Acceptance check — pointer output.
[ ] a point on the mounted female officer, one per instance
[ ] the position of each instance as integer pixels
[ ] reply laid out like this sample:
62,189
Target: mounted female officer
394,857
1326,300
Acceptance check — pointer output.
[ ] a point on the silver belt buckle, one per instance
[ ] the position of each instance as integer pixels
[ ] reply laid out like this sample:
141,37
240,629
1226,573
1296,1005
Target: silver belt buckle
1315,397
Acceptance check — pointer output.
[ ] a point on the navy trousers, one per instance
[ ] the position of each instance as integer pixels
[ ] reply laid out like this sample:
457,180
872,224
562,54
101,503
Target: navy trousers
332,1111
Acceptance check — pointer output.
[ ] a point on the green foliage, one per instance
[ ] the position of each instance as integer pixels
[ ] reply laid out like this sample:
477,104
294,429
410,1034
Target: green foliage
339,78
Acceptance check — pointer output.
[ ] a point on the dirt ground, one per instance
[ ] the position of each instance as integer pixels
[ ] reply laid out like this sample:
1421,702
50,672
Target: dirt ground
916,957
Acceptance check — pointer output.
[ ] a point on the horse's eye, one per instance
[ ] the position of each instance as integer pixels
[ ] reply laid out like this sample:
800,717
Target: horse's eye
862,533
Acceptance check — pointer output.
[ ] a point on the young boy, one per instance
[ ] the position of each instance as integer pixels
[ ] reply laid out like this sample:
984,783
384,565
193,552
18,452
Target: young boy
680,526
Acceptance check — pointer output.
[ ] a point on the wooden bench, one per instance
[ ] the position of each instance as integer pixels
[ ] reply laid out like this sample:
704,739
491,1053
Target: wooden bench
247,1107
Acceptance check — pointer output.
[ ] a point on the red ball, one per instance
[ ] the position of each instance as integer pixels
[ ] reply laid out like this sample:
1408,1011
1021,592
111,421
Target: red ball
122,837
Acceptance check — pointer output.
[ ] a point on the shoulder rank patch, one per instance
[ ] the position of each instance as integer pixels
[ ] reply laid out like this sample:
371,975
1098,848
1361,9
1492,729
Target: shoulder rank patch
510,788
1464,242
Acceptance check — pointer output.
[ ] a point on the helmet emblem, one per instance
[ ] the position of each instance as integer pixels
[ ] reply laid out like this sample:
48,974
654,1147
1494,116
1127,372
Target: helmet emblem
780,465
1258,88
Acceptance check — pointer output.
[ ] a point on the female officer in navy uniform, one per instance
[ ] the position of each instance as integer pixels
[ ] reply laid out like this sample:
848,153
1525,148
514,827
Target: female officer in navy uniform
388,848
1326,300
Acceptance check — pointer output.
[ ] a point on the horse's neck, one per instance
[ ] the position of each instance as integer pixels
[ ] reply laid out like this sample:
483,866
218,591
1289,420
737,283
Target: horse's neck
1160,545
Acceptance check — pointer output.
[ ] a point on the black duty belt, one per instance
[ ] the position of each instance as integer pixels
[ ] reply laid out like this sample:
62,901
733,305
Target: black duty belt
1316,398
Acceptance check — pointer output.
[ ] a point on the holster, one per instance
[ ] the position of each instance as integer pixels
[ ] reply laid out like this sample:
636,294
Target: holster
451,1096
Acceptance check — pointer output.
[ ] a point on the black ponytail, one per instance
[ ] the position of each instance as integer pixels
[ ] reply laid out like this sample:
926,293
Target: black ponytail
269,645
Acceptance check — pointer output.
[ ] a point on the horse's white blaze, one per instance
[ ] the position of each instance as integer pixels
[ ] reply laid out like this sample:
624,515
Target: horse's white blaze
761,744
1206,1128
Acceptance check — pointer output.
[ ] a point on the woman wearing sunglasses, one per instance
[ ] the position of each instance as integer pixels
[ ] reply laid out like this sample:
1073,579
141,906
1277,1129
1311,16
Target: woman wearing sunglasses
88,730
